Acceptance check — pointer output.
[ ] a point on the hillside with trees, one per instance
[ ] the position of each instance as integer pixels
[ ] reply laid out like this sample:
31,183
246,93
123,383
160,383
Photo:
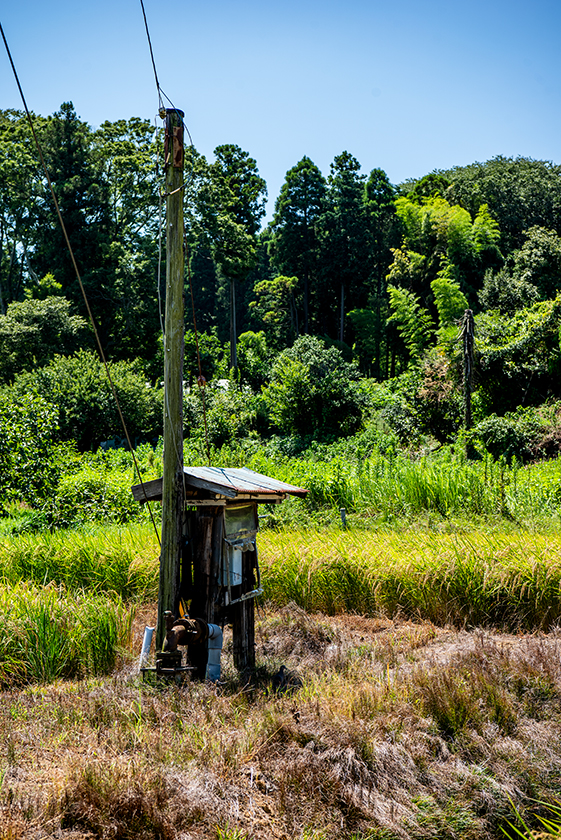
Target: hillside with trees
339,318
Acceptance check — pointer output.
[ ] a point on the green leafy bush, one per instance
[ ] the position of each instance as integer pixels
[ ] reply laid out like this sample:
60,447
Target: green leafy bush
79,387
313,392
92,495
29,465
33,331
231,413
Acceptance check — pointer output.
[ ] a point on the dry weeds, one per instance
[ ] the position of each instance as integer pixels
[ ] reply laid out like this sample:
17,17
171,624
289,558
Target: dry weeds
401,730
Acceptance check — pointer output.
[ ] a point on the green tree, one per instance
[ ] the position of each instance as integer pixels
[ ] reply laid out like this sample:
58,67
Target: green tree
518,357
254,359
450,302
344,247
34,331
82,198
238,194
379,200
520,192
29,467
123,154
506,293
275,309
413,322
78,386
539,261
313,392
294,246
18,185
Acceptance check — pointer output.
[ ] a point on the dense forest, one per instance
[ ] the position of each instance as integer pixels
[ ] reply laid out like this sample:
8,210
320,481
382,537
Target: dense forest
341,317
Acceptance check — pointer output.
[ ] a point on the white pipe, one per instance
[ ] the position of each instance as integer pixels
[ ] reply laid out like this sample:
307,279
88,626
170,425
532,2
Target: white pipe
214,651
146,645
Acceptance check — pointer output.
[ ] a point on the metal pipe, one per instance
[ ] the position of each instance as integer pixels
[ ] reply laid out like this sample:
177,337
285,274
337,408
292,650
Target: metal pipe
146,645
214,651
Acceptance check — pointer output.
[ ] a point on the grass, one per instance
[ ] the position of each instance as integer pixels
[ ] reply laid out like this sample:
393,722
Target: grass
120,560
510,580
382,741
46,634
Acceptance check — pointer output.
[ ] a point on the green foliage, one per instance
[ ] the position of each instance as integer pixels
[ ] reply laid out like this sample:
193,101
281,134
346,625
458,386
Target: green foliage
46,635
505,293
431,185
365,328
518,355
79,387
34,331
231,414
524,435
254,359
344,240
314,392
29,462
538,262
414,323
275,309
450,301
520,193
211,352
294,247
92,495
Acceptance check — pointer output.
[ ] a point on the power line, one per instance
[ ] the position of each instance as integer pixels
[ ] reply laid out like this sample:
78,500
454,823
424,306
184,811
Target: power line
79,278
161,104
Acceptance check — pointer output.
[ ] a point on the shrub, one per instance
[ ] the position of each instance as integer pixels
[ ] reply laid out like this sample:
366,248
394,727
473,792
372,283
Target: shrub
314,392
231,413
79,387
92,495
29,466
33,331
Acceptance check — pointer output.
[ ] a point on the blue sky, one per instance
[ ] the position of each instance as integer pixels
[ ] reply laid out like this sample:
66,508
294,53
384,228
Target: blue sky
403,85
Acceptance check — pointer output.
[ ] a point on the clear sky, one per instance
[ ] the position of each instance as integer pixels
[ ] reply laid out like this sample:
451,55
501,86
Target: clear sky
406,85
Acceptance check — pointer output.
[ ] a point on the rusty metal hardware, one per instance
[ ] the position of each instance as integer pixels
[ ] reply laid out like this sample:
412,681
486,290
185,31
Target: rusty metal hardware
184,631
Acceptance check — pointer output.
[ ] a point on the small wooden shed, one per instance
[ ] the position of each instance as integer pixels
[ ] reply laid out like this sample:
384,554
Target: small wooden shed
218,574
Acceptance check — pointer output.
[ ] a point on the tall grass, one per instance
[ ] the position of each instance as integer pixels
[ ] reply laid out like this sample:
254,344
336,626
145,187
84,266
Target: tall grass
111,559
505,580
390,487
46,634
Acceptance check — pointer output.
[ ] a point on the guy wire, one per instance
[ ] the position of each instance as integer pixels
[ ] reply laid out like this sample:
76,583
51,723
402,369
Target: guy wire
201,381
160,101
79,278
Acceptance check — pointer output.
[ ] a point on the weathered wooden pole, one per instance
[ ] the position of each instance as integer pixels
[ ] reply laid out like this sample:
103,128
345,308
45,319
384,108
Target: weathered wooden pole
172,490
467,330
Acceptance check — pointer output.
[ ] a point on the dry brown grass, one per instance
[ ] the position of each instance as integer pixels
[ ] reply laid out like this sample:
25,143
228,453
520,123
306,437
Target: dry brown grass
401,730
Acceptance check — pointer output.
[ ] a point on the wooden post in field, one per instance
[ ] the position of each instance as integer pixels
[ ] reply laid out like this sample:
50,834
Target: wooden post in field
467,330
172,490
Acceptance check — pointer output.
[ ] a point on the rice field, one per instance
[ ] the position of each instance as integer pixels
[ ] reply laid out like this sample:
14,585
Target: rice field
46,634
504,580
408,725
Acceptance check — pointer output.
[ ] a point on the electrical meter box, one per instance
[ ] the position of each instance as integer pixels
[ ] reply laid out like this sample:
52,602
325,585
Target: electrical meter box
218,575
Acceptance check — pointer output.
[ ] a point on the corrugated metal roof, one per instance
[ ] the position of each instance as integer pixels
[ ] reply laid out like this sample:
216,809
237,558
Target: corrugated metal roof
233,480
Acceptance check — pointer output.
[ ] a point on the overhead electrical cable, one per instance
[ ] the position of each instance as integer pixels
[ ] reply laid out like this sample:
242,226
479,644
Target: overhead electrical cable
79,278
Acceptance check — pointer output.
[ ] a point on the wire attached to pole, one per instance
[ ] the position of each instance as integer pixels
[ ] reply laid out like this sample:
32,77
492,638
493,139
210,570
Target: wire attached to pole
201,381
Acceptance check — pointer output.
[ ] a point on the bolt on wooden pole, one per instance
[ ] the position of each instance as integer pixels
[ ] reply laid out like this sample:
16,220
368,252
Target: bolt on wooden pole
172,490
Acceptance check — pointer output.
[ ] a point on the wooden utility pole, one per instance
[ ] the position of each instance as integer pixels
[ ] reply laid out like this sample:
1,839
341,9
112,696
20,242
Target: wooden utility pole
467,330
172,490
